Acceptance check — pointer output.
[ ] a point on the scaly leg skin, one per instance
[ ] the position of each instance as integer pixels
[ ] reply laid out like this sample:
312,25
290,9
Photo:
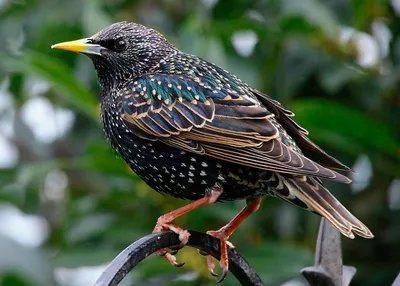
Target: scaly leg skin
223,234
164,222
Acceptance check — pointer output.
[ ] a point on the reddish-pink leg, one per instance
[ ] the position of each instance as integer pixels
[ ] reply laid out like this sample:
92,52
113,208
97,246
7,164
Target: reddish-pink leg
164,222
224,232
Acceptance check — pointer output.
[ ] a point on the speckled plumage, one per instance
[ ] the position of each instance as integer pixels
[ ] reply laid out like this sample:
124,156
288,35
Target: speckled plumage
188,79
184,124
193,130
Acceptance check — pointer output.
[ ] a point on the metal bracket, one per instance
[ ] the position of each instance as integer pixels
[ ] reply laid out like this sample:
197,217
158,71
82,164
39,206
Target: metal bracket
328,269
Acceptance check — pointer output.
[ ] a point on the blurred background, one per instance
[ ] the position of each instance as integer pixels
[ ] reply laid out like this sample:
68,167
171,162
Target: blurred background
69,205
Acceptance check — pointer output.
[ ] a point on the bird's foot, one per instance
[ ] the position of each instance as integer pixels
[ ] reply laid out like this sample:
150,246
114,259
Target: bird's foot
222,235
168,253
164,222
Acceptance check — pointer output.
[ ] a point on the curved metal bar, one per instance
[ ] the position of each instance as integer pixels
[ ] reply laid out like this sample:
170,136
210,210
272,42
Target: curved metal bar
149,244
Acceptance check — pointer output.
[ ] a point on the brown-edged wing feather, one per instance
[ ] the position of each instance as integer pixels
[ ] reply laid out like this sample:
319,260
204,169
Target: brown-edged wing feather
234,127
299,134
319,199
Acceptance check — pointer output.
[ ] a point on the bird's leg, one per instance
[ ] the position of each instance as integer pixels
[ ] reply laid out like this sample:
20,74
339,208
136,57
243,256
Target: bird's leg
164,222
224,232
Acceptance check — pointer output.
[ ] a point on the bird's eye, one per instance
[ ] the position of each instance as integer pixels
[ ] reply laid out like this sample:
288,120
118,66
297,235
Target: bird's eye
120,45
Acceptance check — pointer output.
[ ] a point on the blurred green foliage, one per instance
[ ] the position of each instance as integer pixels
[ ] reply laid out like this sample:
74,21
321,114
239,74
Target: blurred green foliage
335,63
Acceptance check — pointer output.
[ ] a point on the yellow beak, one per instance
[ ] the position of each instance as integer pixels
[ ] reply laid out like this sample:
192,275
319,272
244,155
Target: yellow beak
80,46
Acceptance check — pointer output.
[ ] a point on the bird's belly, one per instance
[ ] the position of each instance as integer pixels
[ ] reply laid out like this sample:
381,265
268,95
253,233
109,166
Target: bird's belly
187,175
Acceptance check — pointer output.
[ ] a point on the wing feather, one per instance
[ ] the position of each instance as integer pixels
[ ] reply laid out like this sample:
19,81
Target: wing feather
299,134
234,127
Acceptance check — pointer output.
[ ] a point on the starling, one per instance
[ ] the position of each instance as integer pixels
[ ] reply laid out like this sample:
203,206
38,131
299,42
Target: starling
193,130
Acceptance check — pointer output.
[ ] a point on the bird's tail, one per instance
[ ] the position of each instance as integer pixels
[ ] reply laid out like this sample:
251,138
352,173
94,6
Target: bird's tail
309,193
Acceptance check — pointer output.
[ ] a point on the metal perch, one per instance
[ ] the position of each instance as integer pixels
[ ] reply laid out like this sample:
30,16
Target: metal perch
327,271
149,244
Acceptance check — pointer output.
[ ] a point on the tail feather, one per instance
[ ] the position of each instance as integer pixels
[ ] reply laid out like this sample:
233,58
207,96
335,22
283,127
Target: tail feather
320,200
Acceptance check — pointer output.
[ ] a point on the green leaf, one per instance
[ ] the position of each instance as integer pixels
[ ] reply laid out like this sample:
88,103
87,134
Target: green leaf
55,72
366,11
224,9
314,12
17,8
342,127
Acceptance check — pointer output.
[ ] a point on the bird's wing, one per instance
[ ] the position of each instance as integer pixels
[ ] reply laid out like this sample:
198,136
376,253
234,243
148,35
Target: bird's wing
219,123
299,134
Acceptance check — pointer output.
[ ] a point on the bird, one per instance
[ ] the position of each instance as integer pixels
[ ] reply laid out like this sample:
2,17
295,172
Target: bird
191,129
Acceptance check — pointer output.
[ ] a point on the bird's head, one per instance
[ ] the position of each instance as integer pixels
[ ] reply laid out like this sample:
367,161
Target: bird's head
122,50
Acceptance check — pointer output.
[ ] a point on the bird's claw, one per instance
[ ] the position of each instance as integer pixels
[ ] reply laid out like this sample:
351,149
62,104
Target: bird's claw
173,251
203,252
223,275
230,244
211,265
172,260
224,261
169,253
178,247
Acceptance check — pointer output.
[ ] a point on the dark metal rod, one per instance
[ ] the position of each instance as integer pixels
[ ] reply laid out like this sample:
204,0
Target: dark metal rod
149,244
328,269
